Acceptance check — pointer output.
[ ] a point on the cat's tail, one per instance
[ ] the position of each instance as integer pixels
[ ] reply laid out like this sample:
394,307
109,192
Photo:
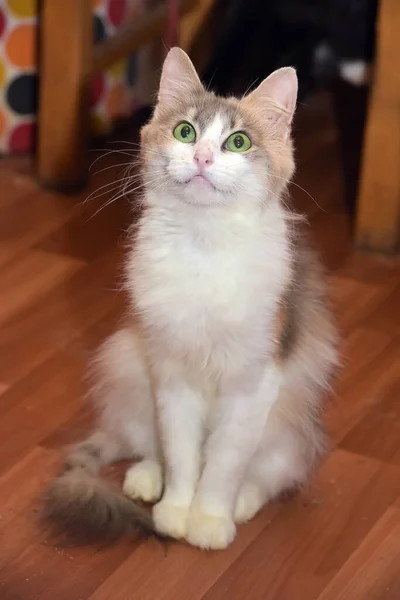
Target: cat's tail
87,508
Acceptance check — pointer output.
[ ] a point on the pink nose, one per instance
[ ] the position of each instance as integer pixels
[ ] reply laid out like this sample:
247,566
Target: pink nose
204,158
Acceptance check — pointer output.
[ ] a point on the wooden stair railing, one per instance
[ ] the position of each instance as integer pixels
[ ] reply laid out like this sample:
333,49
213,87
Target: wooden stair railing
378,209
67,64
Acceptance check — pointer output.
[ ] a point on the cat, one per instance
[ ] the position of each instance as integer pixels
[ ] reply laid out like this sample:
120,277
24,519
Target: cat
216,380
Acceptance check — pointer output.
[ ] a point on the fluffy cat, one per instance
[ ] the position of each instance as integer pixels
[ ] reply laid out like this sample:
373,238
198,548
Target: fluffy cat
216,380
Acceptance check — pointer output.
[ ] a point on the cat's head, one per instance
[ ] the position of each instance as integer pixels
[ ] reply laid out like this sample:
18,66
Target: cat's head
207,150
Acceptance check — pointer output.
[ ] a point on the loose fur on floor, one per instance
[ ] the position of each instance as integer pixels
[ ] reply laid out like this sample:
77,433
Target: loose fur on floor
216,381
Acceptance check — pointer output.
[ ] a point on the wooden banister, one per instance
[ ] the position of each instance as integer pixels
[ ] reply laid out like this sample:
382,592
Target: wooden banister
134,34
378,210
68,60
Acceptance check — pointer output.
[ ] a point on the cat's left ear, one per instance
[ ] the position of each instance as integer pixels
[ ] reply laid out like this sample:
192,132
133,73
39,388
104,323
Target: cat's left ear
276,96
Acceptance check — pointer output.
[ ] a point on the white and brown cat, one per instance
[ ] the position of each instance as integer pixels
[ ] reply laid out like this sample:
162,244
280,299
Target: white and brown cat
216,382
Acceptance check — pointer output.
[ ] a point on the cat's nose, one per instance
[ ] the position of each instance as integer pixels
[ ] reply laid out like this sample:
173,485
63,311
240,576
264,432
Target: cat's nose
204,158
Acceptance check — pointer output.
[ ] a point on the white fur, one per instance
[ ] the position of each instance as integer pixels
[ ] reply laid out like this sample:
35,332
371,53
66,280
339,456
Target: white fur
205,283
207,292
143,481
206,287
230,175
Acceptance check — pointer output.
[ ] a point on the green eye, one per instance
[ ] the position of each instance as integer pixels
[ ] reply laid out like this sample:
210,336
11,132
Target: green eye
184,132
238,142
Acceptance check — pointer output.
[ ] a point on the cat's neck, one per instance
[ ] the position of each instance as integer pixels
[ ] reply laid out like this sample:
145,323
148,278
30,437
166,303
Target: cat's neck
216,224
171,208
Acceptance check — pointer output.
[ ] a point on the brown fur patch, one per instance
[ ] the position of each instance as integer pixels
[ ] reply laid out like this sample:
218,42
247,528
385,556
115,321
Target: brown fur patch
285,327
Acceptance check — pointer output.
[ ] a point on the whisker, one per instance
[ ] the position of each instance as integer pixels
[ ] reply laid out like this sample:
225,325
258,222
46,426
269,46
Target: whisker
90,196
111,150
107,185
106,154
208,86
139,146
248,88
307,193
118,196
124,182
112,167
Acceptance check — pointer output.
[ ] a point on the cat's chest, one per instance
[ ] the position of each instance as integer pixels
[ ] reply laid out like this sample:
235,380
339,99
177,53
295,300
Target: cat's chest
202,277
211,302
189,283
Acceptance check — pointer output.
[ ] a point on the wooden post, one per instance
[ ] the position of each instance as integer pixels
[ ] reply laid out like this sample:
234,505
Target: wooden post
378,211
65,61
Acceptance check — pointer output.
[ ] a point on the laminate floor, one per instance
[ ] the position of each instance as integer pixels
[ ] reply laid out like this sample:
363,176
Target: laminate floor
60,274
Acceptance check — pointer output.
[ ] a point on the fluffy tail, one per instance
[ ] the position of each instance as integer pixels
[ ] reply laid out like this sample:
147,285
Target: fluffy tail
87,508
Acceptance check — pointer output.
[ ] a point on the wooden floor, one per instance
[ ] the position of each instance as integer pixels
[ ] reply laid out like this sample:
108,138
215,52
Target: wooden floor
60,280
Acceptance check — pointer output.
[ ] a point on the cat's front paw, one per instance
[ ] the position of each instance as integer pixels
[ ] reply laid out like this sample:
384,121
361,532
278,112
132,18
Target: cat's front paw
171,519
210,532
143,481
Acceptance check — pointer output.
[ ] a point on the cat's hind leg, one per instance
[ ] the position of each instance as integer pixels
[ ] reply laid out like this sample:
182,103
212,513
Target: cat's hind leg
278,466
126,405
271,475
143,481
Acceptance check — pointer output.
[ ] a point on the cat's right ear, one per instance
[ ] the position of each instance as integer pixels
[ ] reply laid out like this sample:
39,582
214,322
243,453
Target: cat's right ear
275,98
178,78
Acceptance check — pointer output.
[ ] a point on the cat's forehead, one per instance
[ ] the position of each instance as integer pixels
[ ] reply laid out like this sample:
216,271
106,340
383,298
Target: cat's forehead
212,116
210,112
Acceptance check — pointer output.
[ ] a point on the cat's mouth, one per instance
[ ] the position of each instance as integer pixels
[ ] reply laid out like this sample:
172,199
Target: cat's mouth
201,181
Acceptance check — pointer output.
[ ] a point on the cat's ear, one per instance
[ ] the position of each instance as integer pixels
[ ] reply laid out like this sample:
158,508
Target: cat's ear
276,96
178,77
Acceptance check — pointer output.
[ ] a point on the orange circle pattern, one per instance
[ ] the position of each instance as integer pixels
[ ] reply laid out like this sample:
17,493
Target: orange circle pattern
18,64
21,46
